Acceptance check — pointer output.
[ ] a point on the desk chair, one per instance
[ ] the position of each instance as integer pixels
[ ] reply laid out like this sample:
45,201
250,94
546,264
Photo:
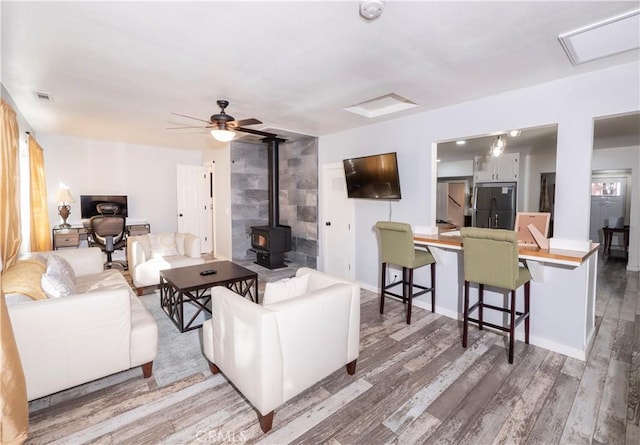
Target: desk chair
396,247
107,208
491,258
108,233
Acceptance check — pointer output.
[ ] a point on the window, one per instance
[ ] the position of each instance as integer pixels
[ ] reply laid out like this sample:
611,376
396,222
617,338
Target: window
606,188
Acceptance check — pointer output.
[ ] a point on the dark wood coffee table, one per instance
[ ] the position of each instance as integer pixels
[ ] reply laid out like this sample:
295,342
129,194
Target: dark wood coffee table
185,284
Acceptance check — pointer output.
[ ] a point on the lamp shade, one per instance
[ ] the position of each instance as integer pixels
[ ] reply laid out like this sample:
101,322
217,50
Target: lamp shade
64,196
223,135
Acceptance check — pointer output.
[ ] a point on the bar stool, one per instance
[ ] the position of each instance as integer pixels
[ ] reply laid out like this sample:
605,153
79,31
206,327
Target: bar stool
491,258
396,245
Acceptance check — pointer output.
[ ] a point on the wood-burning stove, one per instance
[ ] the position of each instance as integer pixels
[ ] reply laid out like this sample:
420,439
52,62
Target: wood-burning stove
270,244
272,241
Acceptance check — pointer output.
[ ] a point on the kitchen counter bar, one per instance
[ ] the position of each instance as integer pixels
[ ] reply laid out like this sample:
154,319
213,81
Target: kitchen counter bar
563,291
550,256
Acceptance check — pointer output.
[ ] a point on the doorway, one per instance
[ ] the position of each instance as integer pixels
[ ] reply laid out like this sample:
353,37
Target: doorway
194,183
608,205
337,224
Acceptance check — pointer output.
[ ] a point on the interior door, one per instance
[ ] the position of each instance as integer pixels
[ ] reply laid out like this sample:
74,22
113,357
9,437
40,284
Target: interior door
337,223
194,213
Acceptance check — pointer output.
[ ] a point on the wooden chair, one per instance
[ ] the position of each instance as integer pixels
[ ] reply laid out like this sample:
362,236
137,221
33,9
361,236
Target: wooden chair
396,247
491,259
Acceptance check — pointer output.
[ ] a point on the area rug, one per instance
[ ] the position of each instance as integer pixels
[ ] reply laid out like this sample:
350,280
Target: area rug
179,354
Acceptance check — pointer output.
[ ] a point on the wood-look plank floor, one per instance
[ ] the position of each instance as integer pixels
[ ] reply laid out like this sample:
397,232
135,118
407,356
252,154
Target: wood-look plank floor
414,384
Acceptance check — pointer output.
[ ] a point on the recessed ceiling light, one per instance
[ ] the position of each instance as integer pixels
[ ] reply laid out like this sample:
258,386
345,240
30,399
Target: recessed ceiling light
461,142
437,160
603,39
515,133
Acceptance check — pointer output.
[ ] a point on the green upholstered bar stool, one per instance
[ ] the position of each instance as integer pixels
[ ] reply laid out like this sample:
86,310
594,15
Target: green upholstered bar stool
396,245
491,259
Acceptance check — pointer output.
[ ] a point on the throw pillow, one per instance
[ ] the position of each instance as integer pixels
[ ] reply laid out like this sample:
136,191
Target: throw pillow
61,266
285,289
56,285
163,244
24,278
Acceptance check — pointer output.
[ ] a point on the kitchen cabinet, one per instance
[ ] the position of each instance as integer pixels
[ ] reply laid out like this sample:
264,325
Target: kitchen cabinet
503,168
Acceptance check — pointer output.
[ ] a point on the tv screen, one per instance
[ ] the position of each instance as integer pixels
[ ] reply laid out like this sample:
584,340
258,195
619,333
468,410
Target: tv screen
373,177
89,203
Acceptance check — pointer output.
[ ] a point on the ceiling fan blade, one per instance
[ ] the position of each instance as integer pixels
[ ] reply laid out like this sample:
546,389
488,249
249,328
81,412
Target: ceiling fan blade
258,132
191,117
196,126
245,122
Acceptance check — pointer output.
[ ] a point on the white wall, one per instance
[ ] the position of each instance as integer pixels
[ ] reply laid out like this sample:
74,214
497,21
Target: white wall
146,174
572,103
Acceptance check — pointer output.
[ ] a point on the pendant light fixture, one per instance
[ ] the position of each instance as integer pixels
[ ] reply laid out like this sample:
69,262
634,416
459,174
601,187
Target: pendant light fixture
497,146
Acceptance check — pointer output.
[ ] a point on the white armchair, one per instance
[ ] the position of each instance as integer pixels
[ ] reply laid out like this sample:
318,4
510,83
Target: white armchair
275,351
148,254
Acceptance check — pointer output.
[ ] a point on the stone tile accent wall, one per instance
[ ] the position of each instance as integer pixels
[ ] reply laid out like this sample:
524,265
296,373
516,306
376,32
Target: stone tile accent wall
249,198
298,196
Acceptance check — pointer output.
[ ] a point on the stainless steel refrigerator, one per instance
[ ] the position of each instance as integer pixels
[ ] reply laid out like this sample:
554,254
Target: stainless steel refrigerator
494,205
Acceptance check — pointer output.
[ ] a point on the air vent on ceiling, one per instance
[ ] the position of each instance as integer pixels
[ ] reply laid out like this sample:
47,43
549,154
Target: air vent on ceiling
387,104
45,97
603,39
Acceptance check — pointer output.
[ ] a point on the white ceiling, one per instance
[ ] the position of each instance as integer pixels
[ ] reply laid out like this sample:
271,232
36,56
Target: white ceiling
117,70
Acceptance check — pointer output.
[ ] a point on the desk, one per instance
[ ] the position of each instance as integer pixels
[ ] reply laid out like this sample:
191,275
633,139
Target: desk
608,235
67,237
74,235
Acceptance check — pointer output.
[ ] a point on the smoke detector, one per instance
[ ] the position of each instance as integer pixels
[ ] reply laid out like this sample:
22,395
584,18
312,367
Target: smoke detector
371,9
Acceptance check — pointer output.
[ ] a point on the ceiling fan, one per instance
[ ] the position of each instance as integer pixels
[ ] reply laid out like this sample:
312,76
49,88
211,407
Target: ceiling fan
223,126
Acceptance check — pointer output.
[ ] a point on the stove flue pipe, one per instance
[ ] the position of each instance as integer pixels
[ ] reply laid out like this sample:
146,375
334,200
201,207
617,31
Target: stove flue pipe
274,179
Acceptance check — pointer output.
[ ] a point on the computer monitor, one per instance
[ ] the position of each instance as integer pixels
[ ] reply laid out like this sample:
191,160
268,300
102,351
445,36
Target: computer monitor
540,221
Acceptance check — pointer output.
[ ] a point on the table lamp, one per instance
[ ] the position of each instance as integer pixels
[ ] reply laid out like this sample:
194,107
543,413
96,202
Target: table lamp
64,209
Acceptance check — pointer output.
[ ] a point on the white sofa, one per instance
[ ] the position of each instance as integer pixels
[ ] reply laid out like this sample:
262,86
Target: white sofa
100,330
273,352
147,258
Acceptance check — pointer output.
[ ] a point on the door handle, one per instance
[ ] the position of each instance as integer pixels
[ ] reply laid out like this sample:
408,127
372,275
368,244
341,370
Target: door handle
328,223
180,215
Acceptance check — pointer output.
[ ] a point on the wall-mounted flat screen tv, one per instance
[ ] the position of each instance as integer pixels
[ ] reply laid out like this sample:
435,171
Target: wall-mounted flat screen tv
89,204
373,177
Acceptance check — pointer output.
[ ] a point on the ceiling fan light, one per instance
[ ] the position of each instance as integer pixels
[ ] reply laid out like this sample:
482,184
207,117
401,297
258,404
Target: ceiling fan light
222,135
